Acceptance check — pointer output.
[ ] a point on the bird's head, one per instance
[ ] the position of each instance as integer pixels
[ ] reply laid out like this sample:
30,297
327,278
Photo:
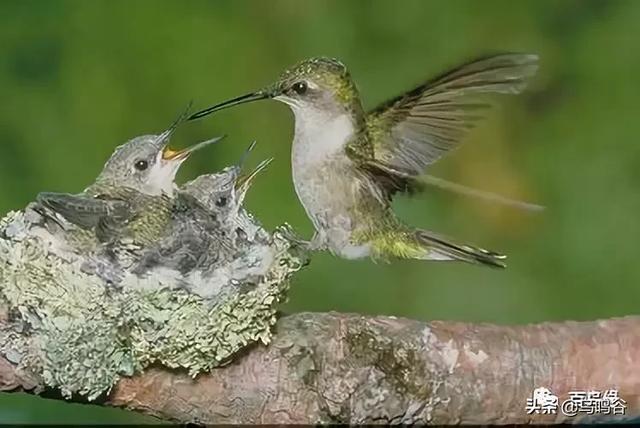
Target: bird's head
147,163
224,191
314,85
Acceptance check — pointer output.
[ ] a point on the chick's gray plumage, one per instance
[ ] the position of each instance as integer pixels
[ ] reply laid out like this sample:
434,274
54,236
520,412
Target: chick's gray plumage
194,240
209,225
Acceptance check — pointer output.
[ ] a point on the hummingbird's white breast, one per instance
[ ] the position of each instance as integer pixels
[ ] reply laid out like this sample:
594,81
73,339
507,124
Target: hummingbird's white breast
325,178
320,134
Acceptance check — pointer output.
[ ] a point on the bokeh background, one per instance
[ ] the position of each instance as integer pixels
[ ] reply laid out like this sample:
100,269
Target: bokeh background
78,78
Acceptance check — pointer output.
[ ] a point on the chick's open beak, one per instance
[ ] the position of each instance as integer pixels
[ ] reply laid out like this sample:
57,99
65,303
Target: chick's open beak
180,155
170,154
244,182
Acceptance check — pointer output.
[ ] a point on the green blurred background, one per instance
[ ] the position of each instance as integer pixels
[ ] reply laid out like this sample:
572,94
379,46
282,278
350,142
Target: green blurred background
79,77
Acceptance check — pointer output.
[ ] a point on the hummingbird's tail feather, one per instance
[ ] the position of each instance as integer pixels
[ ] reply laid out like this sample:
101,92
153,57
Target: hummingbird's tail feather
440,248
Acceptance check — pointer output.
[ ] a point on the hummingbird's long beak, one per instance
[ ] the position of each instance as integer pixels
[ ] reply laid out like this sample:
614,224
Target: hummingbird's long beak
254,96
181,155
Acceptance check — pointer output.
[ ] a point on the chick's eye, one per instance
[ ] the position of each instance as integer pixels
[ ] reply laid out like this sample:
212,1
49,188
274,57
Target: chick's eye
221,201
300,88
141,165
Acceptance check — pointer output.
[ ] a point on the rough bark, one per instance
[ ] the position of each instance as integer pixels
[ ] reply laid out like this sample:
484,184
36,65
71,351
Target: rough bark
345,368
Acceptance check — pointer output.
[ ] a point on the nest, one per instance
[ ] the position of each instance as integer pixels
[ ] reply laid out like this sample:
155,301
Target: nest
80,333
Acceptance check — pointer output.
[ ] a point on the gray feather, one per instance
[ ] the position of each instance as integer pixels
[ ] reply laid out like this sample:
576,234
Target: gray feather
412,131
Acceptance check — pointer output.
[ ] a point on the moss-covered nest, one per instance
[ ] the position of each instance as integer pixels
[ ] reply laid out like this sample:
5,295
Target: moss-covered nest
79,333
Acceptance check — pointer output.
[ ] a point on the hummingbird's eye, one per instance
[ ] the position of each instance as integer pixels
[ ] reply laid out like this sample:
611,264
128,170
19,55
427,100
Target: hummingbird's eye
221,201
141,165
300,88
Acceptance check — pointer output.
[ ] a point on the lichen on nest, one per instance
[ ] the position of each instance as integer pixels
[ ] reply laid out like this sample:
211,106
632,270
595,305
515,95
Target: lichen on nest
80,334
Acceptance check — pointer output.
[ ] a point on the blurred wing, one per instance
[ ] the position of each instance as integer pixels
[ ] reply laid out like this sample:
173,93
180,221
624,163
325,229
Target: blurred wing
81,210
414,130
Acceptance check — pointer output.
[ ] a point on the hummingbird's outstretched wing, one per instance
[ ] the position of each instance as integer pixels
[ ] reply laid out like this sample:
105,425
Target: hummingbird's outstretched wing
83,210
410,132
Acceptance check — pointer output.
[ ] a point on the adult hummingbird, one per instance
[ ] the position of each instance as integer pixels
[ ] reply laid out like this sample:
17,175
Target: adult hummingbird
348,163
132,196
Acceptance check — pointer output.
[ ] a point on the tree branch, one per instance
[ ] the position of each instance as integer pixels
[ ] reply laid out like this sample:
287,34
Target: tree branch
355,369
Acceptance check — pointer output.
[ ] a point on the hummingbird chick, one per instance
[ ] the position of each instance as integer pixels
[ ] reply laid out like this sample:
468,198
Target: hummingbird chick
223,193
348,164
209,226
131,199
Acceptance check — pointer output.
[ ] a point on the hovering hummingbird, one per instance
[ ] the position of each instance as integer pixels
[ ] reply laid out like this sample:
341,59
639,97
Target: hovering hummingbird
348,164
132,196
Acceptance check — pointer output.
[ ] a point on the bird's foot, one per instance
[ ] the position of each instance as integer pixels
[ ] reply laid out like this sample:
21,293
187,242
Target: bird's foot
318,242
297,247
287,232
